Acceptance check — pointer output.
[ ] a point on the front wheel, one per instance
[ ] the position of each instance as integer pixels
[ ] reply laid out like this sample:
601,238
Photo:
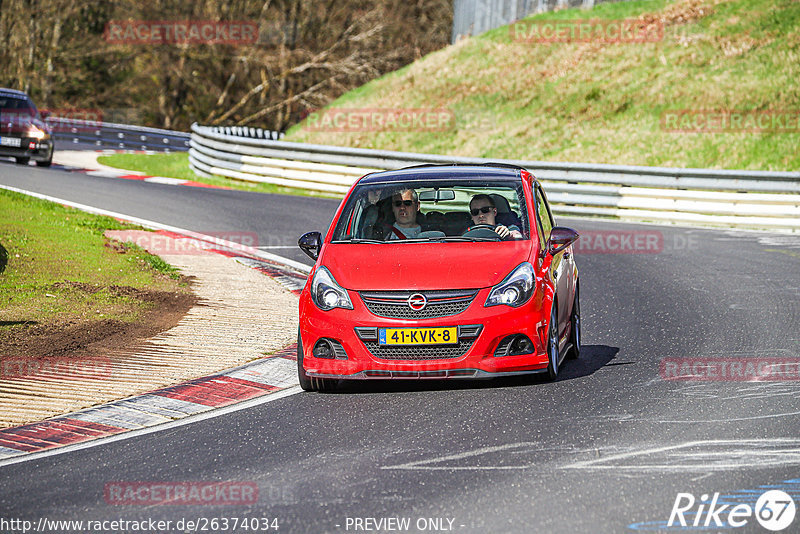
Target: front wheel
305,380
47,162
553,354
310,383
575,327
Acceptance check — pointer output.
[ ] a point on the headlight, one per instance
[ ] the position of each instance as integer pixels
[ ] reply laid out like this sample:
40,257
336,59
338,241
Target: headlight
515,290
35,132
326,293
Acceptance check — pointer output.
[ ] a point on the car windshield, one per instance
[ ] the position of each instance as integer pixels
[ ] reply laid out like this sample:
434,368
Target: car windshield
14,108
433,211
16,104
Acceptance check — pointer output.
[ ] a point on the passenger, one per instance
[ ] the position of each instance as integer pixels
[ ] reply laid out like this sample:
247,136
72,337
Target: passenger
483,211
405,206
372,214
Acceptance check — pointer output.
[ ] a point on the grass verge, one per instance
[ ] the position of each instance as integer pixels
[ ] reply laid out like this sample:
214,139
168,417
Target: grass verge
57,270
601,102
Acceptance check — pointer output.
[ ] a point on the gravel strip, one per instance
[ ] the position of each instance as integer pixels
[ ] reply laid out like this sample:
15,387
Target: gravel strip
241,315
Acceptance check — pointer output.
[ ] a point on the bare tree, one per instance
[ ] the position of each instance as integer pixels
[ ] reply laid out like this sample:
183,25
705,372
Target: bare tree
308,53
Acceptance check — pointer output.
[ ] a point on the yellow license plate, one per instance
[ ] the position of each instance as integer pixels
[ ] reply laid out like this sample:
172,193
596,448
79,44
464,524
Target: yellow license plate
418,336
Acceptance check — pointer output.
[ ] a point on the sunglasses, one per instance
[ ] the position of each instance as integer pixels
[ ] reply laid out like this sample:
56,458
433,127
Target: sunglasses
485,209
398,203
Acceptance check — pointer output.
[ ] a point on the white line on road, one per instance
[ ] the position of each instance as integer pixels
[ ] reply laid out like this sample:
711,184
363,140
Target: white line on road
158,428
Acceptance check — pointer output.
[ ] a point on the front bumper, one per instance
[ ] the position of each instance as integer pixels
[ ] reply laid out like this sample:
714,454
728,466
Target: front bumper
359,357
35,149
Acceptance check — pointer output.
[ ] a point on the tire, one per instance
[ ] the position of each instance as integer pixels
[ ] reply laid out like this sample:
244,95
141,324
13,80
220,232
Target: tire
575,327
47,162
553,355
305,380
22,160
310,383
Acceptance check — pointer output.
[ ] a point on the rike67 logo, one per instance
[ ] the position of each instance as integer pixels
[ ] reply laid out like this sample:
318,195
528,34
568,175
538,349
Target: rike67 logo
774,510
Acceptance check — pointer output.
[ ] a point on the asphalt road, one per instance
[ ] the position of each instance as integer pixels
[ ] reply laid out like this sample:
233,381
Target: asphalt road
605,448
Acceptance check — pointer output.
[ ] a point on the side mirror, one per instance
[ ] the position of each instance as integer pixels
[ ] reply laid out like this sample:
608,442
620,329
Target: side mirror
310,243
560,238
44,114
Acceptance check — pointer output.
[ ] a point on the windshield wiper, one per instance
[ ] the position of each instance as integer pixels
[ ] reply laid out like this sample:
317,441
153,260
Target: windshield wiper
465,238
359,240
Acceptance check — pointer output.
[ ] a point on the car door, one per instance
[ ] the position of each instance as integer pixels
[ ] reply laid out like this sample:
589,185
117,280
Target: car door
560,266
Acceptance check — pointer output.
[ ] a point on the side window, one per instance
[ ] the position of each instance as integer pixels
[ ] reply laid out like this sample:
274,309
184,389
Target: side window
545,221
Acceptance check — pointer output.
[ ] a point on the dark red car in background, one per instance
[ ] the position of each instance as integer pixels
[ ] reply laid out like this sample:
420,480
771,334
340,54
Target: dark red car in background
456,298
24,135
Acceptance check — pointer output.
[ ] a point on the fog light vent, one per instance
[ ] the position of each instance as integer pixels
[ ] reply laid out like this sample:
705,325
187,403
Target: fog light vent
514,345
329,349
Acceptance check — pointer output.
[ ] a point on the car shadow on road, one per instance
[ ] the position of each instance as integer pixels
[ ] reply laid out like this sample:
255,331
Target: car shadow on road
593,357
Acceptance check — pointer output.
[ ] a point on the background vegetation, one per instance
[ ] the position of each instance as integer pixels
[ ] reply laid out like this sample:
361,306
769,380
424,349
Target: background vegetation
598,102
308,52
58,269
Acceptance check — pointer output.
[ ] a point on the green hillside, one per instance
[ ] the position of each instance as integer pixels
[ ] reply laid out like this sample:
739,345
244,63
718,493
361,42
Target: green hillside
593,101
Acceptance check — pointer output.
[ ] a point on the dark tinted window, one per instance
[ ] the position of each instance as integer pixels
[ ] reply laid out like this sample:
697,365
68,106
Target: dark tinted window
15,105
443,208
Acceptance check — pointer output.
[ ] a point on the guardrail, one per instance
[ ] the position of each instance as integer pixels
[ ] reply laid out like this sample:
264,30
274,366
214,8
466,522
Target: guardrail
473,17
118,136
694,196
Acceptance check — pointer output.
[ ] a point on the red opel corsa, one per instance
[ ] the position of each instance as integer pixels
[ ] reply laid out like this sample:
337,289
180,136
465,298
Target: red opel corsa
439,272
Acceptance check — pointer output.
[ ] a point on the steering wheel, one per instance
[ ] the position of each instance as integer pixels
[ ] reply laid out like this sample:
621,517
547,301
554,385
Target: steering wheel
481,227
482,230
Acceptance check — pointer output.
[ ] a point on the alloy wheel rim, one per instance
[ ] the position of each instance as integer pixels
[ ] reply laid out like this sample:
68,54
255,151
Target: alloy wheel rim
554,341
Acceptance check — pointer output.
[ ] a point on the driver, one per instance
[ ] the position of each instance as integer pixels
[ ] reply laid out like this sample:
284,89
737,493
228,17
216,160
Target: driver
483,211
405,206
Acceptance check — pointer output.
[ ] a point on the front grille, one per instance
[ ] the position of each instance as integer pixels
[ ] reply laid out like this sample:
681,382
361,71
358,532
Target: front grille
418,352
394,304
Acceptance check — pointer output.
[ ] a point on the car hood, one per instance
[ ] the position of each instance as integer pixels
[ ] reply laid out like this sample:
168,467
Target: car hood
389,266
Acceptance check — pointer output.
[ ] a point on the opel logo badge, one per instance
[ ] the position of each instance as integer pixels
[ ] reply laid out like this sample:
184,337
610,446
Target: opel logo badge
417,302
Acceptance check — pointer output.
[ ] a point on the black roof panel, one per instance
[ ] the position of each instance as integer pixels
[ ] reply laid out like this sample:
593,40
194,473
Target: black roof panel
12,92
489,171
